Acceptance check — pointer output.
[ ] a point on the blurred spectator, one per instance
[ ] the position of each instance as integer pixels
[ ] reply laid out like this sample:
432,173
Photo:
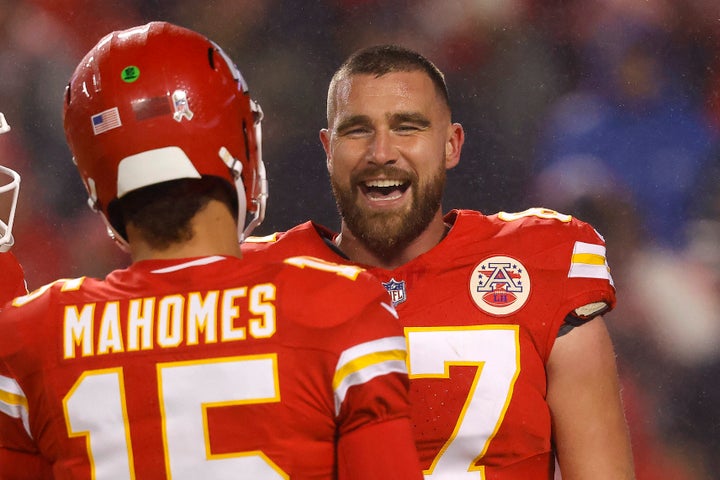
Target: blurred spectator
636,112
666,326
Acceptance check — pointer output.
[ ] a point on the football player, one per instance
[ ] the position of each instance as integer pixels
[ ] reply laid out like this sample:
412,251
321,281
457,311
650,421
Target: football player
510,362
12,279
192,363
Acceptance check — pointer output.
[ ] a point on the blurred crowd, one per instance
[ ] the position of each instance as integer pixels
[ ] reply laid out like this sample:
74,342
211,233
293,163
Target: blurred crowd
605,109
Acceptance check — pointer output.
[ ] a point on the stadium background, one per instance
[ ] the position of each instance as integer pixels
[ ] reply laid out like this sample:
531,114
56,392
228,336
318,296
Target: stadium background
606,109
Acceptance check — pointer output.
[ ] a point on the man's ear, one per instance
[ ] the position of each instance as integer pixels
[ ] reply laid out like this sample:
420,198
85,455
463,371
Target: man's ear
453,145
325,140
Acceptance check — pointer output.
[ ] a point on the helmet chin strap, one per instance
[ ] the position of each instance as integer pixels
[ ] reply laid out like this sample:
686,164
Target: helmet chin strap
112,233
92,202
236,167
242,204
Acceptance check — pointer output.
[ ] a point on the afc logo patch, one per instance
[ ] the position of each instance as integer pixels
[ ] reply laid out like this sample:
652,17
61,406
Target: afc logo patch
396,290
499,285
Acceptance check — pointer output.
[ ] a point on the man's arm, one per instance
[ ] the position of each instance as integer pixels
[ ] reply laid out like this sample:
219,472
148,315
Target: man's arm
379,451
16,465
19,458
589,429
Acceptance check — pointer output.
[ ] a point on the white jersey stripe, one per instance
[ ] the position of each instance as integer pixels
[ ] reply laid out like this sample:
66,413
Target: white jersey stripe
13,401
588,261
362,363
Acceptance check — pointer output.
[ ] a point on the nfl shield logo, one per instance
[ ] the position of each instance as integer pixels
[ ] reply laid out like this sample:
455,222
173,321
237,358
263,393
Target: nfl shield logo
396,290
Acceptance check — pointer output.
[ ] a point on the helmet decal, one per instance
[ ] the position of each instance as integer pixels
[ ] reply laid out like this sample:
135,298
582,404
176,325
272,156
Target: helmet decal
130,74
181,105
104,121
145,108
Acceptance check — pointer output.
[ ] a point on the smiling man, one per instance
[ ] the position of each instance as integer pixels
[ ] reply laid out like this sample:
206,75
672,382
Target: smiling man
387,209
510,362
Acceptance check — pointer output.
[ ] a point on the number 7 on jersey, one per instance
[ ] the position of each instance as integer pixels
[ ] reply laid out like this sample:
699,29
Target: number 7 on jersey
494,350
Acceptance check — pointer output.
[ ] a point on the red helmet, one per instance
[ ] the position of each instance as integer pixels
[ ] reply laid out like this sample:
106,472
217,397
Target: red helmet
159,102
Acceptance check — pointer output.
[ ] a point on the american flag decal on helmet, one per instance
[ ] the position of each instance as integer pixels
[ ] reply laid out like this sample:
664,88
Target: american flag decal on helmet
107,120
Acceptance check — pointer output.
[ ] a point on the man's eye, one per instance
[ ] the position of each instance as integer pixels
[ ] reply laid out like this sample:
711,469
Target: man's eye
354,131
406,128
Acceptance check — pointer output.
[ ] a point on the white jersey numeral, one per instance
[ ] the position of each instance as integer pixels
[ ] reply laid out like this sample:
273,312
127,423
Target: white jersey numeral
95,408
495,351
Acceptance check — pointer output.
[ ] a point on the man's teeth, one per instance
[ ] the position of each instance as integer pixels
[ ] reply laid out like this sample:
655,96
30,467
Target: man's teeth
389,197
383,183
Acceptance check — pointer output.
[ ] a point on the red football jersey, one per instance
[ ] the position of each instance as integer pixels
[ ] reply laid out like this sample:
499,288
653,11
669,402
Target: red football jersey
208,368
481,311
12,279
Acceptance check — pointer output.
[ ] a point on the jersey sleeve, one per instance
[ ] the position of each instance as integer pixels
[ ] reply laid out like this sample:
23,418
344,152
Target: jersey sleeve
14,411
565,258
590,286
382,450
16,465
371,392
584,285
19,458
369,379
569,254
370,383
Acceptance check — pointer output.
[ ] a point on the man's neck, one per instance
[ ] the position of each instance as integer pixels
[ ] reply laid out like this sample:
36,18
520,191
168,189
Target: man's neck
357,252
214,233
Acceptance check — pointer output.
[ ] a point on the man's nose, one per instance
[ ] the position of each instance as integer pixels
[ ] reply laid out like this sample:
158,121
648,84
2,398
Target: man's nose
382,148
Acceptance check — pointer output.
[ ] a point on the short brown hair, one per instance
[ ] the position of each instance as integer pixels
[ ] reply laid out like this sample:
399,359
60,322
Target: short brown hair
379,60
163,212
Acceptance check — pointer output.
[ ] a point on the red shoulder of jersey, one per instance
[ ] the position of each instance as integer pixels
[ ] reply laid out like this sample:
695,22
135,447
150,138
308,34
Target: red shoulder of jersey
346,311
19,319
12,278
546,242
308,238
317,283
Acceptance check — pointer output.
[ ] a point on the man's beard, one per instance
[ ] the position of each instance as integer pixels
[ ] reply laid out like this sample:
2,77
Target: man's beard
385,233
